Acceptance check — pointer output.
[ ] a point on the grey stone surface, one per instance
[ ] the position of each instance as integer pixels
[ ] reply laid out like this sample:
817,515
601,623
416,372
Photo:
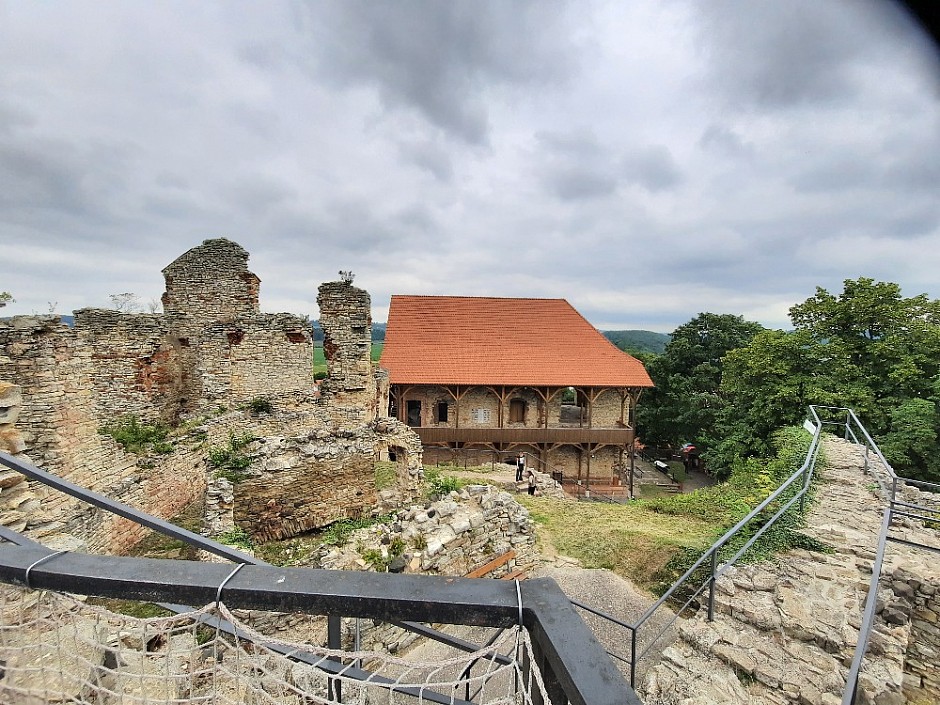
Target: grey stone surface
786,629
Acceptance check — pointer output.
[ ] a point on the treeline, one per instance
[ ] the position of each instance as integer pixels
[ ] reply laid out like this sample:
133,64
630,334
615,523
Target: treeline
638,342
727,384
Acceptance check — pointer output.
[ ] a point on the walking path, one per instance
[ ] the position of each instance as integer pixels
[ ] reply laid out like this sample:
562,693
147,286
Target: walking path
787,628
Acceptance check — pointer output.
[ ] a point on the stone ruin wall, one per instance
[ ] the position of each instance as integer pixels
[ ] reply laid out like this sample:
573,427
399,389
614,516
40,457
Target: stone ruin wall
211,282
451,536
350,389
308,481
64,523
262,356
209,352
921,675
133,366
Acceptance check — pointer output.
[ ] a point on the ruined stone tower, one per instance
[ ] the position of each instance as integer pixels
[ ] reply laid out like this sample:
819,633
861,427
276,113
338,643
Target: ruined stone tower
345,316
211,282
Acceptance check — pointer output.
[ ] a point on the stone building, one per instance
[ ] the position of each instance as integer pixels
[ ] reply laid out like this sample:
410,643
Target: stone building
499,376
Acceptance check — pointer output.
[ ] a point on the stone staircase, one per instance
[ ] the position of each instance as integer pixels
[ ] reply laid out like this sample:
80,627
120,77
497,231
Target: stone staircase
785,630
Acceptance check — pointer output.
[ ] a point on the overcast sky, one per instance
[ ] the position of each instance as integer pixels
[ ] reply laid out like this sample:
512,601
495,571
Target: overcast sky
646,160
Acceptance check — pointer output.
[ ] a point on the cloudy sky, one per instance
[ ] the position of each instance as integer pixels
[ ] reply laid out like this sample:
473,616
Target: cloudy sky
646,160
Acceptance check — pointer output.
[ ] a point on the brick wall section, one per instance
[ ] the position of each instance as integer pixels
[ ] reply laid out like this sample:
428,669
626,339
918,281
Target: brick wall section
37,354
211,282
305,483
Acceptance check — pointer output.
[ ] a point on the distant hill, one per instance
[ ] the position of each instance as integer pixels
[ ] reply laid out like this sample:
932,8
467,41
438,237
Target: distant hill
644,341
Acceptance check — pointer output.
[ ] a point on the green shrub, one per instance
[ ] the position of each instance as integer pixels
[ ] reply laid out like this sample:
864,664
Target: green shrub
420,542
439,485
375,559
396,547
260,405
337,533
230,460
237,537
751,481
137,437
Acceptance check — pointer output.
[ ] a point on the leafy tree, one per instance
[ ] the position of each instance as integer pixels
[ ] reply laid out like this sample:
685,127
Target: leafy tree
912,445
766,385
685,403
868,348
5,298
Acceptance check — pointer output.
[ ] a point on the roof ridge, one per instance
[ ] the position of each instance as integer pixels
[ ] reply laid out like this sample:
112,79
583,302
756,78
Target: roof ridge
493,298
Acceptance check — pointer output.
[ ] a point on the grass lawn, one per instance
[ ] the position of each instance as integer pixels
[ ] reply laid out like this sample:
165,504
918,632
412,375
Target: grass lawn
629,540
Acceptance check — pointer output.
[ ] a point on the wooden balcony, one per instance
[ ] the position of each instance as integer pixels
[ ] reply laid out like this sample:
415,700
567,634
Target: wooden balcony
434,435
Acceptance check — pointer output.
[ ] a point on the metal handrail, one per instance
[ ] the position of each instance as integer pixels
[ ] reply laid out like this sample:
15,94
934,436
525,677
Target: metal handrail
711,555
853,430
572,664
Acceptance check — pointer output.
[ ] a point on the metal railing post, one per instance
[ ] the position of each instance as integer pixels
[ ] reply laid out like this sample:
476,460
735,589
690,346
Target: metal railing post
711,585
633,658
334,634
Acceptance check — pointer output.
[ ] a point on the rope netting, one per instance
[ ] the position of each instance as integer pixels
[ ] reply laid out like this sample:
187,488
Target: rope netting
58,648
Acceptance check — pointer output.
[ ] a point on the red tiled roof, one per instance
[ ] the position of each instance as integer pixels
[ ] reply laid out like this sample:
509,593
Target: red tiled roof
474,340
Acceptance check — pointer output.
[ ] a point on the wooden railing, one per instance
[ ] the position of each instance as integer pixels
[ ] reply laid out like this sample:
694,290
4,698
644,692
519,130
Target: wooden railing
444,434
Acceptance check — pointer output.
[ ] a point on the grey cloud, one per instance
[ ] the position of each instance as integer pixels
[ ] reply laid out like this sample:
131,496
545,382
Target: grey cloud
653,168
13,117
44,176
725,141
835,174
574,184
574,166
258,194
350,229
781,54
430,156
440,59
574,143
267,56
418,217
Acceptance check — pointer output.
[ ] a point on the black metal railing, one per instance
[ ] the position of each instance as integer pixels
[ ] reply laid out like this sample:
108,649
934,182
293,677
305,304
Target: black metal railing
789,495
573,666
714,561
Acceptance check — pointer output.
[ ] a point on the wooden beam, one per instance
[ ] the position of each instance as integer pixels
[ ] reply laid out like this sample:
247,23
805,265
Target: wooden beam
488,568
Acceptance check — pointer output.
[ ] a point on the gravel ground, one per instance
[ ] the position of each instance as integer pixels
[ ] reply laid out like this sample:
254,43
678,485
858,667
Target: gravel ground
619,598
600,589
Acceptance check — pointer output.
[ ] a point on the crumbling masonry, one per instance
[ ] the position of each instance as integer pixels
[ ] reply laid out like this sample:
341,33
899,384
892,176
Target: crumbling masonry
201,361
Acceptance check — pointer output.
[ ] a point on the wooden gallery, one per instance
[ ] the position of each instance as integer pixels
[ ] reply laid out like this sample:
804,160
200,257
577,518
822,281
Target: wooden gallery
482,379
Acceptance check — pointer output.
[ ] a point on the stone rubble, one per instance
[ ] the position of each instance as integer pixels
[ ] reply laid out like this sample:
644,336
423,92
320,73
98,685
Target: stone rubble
451,536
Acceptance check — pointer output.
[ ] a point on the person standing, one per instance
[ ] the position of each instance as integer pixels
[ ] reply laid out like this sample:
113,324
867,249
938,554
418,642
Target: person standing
520,467
531,487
